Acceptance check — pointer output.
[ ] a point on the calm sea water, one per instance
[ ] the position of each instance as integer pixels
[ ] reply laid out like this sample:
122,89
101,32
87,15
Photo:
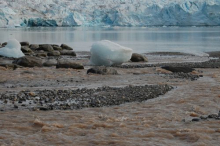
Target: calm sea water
141,40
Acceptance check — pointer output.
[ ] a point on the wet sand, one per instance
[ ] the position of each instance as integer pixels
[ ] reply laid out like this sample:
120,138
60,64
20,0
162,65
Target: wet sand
166,120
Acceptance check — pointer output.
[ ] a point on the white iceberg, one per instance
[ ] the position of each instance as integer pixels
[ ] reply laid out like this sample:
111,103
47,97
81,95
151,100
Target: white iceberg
12,49
107,53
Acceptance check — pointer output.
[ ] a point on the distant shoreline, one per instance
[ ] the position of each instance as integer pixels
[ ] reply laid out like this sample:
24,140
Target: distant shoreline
113,26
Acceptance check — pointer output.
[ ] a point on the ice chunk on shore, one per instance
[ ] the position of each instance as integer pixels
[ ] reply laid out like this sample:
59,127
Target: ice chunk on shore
12,49
107,53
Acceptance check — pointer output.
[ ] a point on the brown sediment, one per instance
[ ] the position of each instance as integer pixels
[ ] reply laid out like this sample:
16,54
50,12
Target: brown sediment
166,120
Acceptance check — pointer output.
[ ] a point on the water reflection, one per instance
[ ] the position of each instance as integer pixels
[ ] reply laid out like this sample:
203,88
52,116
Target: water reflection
197,39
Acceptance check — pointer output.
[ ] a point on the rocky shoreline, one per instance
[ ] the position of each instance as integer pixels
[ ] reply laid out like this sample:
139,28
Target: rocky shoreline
50,61
212,63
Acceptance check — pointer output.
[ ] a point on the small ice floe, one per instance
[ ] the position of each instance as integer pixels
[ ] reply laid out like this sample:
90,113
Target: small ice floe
12,49
107,53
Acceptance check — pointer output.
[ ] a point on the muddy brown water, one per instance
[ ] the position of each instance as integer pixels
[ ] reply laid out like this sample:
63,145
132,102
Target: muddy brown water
165,120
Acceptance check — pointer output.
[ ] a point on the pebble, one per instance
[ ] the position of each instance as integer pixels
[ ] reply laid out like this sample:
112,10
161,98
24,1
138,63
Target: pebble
195,120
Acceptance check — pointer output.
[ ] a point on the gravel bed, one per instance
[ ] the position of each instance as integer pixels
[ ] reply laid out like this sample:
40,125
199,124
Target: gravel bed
80,98
181,75
213,63
169,53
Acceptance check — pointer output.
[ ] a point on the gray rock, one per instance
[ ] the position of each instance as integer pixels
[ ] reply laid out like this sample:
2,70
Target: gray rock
195,120
102,70
57,48
24,43
66,47
54,45
34,46
42,54
138,58
67,52
54,53
69,64
51,62
29,61
26,49
46,47
4,44
203,117
178,69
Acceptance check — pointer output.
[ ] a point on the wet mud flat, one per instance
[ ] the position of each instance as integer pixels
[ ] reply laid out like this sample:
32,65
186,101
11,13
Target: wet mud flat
185,115
51,88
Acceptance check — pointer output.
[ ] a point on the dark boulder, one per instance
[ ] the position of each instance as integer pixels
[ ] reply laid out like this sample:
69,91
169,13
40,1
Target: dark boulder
46,47
57,48
26,49
102,70
51,62
54,53
24,43
41,54
53,45
67,52
4,44
29,61
69,64
178,69
66,47
34,46
138,58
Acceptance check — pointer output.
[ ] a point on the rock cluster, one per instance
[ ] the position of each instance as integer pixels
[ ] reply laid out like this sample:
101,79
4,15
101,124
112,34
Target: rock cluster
82,98
39,55
208,117
48,49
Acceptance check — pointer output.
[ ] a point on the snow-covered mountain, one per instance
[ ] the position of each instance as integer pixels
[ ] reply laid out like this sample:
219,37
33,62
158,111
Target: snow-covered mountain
109,12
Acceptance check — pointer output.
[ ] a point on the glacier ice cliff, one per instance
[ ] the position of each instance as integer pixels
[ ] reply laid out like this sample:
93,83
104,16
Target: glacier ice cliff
109,12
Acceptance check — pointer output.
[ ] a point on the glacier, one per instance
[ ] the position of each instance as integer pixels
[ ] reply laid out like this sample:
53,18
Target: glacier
53,13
